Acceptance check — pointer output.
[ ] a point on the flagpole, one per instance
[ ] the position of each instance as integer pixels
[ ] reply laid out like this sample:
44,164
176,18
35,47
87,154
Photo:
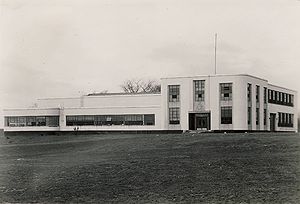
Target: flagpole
216,36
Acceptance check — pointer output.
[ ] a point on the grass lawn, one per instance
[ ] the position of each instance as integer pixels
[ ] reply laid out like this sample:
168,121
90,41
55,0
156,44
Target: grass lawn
150,168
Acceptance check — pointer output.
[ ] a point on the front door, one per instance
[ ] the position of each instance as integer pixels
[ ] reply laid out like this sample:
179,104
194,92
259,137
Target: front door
199,121
272,121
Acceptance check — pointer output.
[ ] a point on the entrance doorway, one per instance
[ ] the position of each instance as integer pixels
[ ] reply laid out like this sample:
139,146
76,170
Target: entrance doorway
272,121
199,121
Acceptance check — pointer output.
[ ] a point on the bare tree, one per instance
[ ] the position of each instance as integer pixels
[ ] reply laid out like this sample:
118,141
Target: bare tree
141,86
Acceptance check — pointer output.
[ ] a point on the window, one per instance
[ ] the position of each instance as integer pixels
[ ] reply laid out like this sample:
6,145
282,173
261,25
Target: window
22,121
52,121
249,93
279,119
265,116
249,115
134,120
199,87
174,115
31,121
13,121
226,91
226,115
174,93
257,93
265,95
149,119
257,116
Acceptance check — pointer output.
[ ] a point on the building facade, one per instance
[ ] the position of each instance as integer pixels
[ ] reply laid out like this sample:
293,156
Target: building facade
216,103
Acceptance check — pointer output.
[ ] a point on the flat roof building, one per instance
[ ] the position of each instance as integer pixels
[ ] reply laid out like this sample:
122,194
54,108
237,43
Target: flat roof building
218,103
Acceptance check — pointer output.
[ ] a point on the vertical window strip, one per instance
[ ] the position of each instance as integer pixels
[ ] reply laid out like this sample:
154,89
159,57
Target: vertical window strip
199,90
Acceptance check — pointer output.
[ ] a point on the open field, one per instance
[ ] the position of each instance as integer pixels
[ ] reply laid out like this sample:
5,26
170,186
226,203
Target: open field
179,168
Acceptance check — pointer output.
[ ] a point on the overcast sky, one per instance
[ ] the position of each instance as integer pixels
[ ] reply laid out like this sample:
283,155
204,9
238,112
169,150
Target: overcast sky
56,48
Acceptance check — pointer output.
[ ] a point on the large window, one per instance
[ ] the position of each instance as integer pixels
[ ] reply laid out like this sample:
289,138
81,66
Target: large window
226,115
174,115
199,87
102,120
22,121
226,91
174,93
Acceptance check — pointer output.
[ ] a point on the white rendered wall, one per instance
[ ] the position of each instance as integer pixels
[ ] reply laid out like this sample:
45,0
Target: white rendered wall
134,100
59,102
93,105
261,83
275,108
212,102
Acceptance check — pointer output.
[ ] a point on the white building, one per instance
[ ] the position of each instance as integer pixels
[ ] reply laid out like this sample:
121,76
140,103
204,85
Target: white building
217,103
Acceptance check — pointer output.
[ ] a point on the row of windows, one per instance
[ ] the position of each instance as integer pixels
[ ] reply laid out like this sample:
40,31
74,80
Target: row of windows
285,120
199,91
281,98
22,121
140,119
257,98
257,116
226,93
257,93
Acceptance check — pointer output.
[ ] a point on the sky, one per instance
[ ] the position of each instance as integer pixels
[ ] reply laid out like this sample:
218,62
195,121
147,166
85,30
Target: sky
61,48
